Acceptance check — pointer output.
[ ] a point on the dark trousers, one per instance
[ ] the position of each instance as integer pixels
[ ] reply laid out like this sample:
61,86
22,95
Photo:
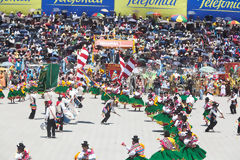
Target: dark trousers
61,124
213,123
51,125
233,109
107,116
238,130
32,114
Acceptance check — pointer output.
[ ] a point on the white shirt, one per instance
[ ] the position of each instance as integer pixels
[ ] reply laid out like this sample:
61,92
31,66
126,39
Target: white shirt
51,112
90,156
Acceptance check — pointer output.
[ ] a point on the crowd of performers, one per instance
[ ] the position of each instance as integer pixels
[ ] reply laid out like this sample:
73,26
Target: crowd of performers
169,111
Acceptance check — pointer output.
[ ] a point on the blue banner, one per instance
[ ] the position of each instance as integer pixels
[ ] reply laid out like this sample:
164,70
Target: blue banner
78,6
215,8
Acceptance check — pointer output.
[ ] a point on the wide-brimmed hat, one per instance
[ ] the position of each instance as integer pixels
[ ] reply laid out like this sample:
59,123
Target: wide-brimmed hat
135,138
21,146
85,144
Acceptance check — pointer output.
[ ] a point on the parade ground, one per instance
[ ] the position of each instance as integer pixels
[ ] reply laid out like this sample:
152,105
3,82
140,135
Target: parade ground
223,144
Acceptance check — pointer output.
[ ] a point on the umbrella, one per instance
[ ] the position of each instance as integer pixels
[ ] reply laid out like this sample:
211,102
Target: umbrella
219,28
56,10
32,10
135,11
97,15
149,13
132,20
6,64
176,63
156,14
163,21
179,18
233,22
207,69
205,54
64,11
228,18
104,10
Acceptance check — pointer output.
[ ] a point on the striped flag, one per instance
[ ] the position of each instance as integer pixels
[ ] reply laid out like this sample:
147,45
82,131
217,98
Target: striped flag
128,69
82,58
81,62
122,64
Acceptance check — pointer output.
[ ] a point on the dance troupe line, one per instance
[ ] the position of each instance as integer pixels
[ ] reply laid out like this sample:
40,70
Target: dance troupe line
171,112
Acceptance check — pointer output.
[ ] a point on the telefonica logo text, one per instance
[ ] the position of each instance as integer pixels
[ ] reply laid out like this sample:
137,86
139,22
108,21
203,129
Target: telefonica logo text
79,1
220,4
152,3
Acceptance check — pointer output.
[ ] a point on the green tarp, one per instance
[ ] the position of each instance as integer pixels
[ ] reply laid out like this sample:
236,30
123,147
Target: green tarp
48,77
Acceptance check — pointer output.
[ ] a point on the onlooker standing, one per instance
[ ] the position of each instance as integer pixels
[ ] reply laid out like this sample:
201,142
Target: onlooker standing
51,117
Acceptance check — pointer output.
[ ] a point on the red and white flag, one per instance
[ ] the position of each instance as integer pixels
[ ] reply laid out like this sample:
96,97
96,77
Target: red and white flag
122,64
81,62
128,69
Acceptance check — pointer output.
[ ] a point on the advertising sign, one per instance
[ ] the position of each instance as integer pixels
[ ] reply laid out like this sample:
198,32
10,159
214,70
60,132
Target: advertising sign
24,6
141,7
114,43
216,8
78,6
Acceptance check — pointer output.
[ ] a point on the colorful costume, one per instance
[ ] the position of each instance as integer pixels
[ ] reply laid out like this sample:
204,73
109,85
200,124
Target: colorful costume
95,90
168,150
124,96
1,93
12,94
137,100
61,88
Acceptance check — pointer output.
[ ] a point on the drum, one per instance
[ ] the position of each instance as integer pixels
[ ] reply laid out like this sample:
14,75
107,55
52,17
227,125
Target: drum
43,125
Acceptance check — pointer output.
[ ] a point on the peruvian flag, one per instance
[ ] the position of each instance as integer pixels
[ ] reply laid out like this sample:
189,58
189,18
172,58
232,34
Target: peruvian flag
128,69
81,62
122,64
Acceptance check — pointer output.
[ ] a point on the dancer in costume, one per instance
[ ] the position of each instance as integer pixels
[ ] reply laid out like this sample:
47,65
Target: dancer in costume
86,154
106,95
169,149
22,90
124,96
136,100
22,153
238,128
61,88
12,94
136,151
207,107
33,85
60,107
1,93
95,90
108,108
213,116
116,93
164,118
192,151
33,104
233,105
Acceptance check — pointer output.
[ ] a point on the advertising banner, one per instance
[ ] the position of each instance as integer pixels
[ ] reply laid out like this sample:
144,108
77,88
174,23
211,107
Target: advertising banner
216,8
114,43
141,7
24,6
78,6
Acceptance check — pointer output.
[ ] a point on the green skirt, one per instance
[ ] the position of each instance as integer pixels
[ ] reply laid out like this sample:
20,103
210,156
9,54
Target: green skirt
206,113
61,89
154,108
21,94
105,97
95,90
124,98
1,95
166,155
136,101
137,158
162,117
196,153
12,94
179,142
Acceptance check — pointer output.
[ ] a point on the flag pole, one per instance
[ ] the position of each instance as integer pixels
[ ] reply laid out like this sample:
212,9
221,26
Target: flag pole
95,83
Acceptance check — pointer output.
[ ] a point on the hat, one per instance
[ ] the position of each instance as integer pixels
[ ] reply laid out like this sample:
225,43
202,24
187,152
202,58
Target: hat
85,144
21,146
135,138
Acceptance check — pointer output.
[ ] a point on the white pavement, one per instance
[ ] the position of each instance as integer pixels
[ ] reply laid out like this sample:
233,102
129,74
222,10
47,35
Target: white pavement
106,140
